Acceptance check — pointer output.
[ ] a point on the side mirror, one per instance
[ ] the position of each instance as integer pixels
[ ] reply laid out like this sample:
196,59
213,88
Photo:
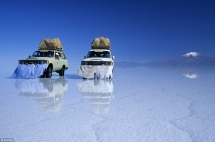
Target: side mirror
113,57
29,56
85,57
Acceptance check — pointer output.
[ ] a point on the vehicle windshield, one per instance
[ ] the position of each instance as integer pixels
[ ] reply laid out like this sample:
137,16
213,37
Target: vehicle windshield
43,54
102,54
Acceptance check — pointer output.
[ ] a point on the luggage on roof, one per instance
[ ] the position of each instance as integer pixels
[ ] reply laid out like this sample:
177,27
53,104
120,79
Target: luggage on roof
50,44
101,43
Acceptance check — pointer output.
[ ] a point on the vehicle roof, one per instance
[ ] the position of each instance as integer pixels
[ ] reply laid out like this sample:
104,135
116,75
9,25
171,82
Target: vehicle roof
51,50
100,49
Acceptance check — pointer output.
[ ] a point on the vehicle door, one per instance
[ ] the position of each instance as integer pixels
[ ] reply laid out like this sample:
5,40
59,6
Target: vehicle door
57,65
60,60
63,60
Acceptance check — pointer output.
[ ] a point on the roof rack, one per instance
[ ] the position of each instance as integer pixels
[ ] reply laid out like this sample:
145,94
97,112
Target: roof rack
57,49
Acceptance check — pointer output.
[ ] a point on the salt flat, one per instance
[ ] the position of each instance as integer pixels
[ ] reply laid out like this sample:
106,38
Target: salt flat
139,104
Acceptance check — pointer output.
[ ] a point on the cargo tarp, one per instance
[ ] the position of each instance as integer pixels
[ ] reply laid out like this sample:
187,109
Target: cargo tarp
50,44
29,71
101,43
90,71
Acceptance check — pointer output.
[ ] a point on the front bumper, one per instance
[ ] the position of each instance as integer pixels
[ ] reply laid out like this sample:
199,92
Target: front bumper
98,71
33,61
97,63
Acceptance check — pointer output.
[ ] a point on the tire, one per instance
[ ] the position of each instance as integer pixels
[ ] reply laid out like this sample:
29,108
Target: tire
42,76
49,72
62,71
110,77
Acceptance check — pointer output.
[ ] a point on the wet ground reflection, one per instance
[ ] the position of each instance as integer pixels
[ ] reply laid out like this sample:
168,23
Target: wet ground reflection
48,92
99,93
148,104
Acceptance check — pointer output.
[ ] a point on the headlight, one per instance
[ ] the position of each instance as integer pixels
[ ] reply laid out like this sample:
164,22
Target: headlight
21,62
84,63
43,62
108,63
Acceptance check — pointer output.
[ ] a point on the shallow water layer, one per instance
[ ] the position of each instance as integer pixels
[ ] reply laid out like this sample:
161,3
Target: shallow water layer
139,104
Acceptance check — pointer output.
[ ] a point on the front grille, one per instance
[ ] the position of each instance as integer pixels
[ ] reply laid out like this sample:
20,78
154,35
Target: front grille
96,63
33,62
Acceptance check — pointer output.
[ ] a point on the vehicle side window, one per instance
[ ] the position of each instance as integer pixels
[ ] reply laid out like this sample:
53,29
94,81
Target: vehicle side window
59,55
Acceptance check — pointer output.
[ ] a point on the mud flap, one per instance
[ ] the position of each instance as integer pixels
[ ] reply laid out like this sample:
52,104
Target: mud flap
29,70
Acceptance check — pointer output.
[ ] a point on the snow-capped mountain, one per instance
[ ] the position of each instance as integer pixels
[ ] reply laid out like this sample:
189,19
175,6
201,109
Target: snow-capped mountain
192,54
192,76
191,65
188,59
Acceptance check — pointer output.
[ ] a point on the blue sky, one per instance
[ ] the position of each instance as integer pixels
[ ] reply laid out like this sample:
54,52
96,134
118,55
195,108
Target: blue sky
139,30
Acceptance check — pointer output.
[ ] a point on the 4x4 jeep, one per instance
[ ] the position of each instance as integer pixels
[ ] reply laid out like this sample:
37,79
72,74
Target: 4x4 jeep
99,57
53,61
99,63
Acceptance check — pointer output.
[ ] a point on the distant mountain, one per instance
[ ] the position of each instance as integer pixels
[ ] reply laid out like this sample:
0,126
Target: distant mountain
191,64
126,64
192,54
189,59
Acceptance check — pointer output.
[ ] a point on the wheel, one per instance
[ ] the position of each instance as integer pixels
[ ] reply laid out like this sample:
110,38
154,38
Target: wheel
62,71
110,77
49,72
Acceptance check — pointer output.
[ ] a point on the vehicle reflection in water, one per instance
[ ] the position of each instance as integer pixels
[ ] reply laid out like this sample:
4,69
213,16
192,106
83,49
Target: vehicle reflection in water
99,93
47,91
189,72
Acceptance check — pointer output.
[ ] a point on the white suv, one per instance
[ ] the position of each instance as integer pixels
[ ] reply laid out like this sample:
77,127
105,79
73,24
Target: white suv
55,61
98,63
